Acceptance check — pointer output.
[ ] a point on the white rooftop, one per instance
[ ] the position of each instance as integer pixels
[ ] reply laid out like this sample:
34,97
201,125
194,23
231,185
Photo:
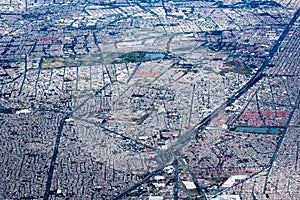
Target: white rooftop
156,198
230,182
189,185
159,177
24,111
227,197
69,120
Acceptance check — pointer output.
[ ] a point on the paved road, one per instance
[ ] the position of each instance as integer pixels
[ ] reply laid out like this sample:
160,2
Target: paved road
166,157
280,142
24,77
135,186
176,173
172,154
124,137
57,142
194,178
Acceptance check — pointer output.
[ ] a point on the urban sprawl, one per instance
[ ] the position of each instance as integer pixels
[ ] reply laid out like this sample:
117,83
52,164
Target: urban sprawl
150,99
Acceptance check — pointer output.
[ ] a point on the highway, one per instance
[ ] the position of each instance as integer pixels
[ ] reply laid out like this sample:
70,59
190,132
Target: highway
280,142
176,173
135,186
57,142
168,156
173,153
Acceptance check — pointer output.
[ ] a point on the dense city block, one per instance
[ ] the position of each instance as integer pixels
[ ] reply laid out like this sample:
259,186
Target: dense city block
149,99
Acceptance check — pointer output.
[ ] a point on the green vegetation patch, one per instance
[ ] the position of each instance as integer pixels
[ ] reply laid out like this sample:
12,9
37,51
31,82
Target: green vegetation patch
220,46
95,59
235,66
71,61
133,57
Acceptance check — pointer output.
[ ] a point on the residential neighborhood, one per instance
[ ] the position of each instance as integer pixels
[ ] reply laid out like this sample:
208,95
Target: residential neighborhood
149,99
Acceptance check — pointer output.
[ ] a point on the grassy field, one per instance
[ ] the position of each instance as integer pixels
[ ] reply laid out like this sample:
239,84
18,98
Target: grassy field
71,61
94,59
132,57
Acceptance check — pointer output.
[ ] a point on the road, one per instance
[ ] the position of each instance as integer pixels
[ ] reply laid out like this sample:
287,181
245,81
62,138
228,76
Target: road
172,154
24,76
57,142
168,156
176,173
124,137
135,186
280,142
194,178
